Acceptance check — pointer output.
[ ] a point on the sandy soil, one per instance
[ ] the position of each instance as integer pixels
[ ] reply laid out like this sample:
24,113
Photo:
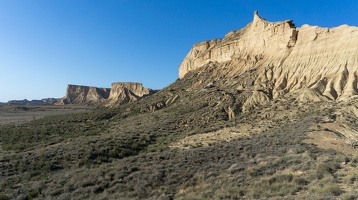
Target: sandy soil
329,140
206,139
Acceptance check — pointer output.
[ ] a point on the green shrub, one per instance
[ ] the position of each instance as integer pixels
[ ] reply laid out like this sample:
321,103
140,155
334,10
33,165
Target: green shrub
32,194
4,197
352,179
350,196
328,189
326,169
279,185
300,181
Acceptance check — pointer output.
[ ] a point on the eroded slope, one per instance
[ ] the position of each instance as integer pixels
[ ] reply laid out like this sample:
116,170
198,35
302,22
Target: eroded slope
286,58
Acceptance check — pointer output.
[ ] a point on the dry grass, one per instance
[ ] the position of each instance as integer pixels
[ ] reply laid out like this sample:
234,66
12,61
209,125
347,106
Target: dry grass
124,153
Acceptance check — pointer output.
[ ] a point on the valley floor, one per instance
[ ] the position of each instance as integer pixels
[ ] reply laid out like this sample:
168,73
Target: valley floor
20,114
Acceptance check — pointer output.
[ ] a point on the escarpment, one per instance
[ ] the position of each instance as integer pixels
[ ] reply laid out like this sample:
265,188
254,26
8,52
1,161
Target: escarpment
281,59
119,93
78,94
126,92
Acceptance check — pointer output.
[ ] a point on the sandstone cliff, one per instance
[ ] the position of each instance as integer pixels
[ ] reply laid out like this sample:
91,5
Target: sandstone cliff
118,94
124,92
78,94
282,58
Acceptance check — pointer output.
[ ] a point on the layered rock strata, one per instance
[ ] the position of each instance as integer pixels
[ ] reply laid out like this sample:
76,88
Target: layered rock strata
285,58
78,94
125,92
119,93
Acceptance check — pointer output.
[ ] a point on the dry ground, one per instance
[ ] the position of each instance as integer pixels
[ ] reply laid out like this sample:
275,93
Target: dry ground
19,114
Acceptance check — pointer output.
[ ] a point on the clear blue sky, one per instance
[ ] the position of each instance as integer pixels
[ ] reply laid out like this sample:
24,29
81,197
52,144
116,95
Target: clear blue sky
47,44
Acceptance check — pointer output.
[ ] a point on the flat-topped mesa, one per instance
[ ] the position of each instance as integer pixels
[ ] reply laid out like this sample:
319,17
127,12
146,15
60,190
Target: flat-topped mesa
124,92
78,94
288,57
118,94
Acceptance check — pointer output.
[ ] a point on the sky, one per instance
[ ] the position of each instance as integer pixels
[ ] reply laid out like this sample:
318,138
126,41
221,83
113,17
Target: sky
47,44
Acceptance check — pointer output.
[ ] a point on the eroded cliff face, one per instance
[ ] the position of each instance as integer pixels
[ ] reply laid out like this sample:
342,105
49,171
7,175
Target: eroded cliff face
119,93
78,94
124,92
284,58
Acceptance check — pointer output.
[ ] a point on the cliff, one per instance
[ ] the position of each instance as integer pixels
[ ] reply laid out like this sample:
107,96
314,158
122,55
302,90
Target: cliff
77,94
118,94
283,58
124,92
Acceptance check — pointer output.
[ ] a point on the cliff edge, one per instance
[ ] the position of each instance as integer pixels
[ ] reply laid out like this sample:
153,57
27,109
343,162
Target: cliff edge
125,92
78,94
285,58
119,93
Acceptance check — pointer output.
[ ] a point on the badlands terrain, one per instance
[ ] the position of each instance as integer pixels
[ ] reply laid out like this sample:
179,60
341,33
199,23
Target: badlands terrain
264,113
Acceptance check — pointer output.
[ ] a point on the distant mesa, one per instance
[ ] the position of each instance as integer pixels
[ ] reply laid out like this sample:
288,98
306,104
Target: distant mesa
32,102
78,94
281,58
119,93
125,92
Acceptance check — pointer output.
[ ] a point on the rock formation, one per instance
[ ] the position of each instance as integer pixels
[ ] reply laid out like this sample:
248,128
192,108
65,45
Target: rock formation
124,92
32,102
118,94
321,63
78,94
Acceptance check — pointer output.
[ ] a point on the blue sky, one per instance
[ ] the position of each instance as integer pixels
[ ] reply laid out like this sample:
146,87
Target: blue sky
47,44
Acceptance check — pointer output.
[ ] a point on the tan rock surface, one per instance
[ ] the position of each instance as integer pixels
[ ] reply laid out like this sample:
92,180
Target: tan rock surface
286,58
78,94
119,93
124,92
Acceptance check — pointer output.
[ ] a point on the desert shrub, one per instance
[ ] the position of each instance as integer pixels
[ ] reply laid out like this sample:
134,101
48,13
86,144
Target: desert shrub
300,181
229,192
353,195
327,168
279,185
254,171
57,192
354,161
32,194
4,197
328,188
352,179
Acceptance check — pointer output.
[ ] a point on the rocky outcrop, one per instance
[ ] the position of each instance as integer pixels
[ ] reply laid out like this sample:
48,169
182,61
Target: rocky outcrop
285,58
78,94
124,92
48,100
118,94
32,102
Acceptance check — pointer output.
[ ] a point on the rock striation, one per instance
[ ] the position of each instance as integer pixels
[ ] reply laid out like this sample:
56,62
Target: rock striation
119,93
78,94
125,92
318,63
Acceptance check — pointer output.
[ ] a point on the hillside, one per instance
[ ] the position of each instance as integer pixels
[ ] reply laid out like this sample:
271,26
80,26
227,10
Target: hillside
230,128
285,58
